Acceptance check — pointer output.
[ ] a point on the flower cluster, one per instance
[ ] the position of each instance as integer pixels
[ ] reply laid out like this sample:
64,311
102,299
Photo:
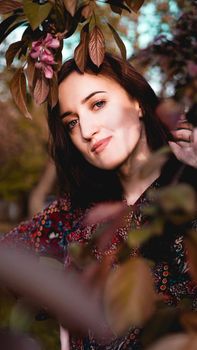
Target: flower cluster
42,53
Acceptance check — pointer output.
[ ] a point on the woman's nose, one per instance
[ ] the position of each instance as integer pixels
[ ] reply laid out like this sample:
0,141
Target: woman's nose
88,126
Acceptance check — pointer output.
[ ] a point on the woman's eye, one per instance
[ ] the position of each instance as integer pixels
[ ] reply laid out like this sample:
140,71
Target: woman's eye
99,104
70,125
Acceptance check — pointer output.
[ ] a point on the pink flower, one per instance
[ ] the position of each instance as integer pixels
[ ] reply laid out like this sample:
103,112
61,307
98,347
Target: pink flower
51,42
46,68
44,56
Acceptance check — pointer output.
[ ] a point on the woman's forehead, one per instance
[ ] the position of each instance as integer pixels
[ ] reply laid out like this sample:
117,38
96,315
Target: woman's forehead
87,78
77,86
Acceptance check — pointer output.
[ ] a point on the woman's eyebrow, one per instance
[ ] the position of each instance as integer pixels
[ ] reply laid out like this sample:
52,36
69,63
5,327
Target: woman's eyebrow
65,114
90,95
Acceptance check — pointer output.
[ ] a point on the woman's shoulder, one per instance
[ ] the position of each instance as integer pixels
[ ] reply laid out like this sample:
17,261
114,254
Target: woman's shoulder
43,233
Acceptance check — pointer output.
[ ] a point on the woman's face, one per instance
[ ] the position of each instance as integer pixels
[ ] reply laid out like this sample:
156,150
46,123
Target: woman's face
102,120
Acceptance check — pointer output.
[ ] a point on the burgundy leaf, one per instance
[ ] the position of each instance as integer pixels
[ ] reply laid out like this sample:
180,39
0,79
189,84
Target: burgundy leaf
12,51
113,215
62,292
87,11
7,6
97,46
170,113
70,5
103,212
30,72
81,51
135,4
18,90
41,90
119,42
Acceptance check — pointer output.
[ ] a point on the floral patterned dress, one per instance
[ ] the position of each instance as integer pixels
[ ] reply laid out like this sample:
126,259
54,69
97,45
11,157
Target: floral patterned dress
50,232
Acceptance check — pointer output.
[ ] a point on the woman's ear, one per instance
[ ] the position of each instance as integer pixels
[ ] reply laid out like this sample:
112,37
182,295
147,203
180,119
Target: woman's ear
139,109
140,113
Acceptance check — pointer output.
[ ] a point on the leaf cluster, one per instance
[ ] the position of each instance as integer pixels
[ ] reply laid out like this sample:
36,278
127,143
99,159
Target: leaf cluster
177,56
60,18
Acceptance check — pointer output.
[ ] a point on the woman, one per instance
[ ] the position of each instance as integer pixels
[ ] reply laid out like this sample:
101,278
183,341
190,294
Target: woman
103,130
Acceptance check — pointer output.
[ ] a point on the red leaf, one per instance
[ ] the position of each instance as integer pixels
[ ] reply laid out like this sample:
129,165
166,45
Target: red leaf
97,46
119,42
135,4
111,213
103,212
170,113
30,71
9,6
70,5
87,11
18,90
12,51
81,51
41,90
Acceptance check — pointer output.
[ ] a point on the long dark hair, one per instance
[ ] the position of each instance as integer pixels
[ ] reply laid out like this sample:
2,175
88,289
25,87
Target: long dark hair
76,176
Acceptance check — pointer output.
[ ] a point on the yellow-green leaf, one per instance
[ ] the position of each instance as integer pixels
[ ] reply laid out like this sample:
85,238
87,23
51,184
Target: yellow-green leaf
177,341
129,295
35,13
155,161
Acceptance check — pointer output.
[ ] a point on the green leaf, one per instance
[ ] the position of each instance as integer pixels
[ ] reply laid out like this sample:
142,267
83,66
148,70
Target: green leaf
7,6
12,51
119,42
182,196
138,237
18,90
35,13
97,46
22,316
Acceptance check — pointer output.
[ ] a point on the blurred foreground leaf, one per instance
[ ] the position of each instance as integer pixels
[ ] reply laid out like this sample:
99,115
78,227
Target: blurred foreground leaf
63,293
129,295
179,341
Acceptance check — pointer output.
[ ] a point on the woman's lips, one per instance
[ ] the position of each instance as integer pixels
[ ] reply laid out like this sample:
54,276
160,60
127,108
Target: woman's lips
100,145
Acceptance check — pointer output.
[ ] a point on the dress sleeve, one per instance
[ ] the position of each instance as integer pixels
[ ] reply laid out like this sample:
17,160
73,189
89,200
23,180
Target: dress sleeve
44,234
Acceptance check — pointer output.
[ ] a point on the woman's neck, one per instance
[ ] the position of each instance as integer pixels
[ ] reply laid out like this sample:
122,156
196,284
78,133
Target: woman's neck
129,172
